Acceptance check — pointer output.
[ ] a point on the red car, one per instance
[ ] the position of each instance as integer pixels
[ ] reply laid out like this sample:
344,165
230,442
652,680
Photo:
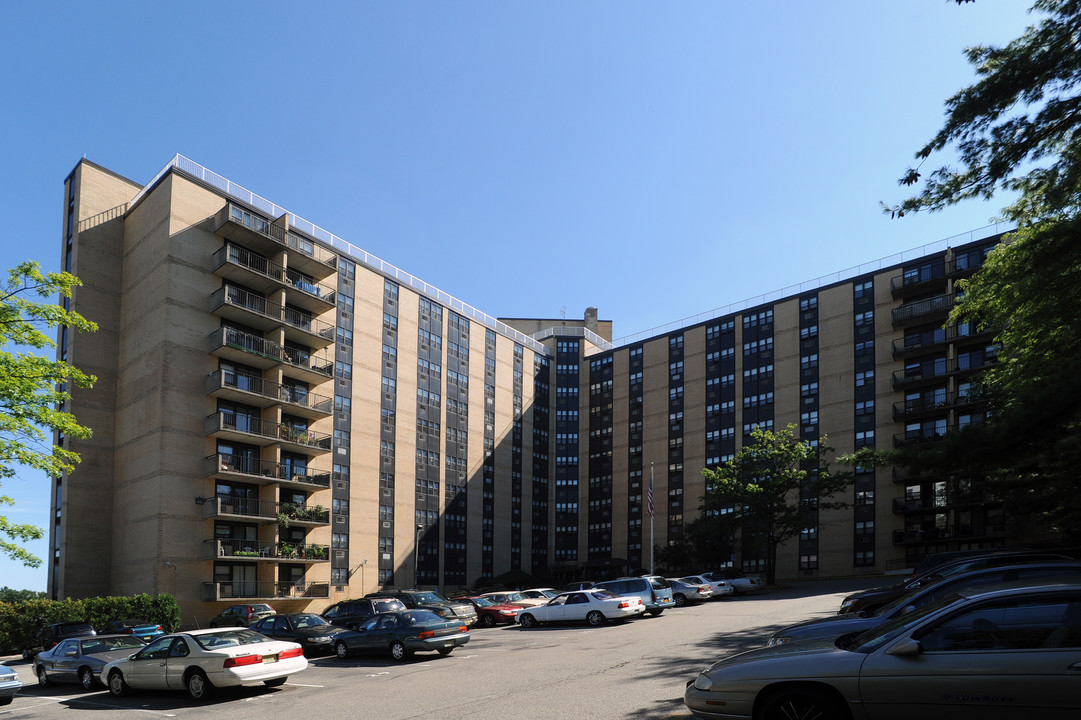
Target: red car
490,614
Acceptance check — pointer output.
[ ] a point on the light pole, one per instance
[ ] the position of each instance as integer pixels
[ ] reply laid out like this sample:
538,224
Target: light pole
416,554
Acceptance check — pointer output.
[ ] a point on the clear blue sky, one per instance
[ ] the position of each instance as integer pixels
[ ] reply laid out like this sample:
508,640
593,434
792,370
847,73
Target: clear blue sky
654,160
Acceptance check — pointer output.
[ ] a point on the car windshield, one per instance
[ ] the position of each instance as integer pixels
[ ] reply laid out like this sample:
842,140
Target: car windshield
229,638
308,620
428,597
387,605
603,594
108,644
420,617
659,583
482,602
868,640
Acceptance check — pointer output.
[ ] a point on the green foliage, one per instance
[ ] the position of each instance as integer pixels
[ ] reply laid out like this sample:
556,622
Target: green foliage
10,595
770,490
32,387
20,621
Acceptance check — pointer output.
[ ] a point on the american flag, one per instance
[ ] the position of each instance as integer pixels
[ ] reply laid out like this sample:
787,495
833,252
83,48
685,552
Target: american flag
649,495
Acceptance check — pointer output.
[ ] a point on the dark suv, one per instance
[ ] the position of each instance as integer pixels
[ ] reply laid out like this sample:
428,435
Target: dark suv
50,635
432,600
241,615
348,613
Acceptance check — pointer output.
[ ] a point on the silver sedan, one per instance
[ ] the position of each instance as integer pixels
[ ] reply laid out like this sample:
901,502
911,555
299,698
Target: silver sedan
991,654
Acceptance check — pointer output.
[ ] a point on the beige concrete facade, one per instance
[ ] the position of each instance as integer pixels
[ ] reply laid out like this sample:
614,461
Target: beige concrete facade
266,402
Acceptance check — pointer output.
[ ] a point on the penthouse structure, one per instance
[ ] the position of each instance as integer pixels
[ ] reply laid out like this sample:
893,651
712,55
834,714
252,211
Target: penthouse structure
281,416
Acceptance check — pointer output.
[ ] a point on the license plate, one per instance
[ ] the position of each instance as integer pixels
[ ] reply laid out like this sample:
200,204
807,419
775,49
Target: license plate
270,658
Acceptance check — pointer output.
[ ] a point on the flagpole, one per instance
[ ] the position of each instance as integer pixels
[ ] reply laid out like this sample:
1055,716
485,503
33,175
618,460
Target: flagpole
651,513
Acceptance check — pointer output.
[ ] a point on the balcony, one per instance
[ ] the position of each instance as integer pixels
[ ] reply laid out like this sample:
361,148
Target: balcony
922,311
256,391
256,351
254,431
255,271
264,511
249,228
912,438
250,550
309,258
942,534
265,472
264,590
256,311
936,503
919,280
931,405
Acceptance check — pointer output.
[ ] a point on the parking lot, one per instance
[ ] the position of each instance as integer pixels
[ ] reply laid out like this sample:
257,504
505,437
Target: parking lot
633,670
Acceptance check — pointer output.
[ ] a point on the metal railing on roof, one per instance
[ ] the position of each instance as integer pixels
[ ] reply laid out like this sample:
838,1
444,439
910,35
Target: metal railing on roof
355,253
574,331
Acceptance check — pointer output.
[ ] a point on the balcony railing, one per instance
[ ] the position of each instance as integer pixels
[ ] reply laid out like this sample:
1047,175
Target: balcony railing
268,510
936,503
916,437
298,398
925,277
229,424
260,590
940,368
258,351
258,311
266,470
255,551
274,275
951,532
921,310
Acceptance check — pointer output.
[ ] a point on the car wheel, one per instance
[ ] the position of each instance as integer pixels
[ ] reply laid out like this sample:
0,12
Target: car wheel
341,649
398,651
276,682
486,621
198,687
680,599
86,678
802,704
117,686
43,679
445,651
528,621
595,618
655,612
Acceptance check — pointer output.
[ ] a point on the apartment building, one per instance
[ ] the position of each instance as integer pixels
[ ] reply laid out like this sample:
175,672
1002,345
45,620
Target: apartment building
280,416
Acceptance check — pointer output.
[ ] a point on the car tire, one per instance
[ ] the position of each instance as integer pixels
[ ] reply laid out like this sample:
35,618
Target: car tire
398,651
198,686
656,612
43,677
595,618
86,678
527,621
117,685
679,599
486,621
445,651
276,682
803,703
341,650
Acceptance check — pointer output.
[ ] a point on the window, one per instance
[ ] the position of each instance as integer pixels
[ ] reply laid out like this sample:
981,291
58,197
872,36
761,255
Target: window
866,407
809,303
808,361
865,377
865,318
863,289
808,332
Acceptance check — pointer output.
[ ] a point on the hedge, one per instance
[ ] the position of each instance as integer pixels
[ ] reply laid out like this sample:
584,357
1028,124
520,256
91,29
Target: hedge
21,621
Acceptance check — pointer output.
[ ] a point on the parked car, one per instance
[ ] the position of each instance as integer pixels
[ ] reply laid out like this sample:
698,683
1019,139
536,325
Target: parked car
513,597
9,684
349,613
403,633
686,592
310,631
50,635
577,585
838,625
458,610
720,588
200,661
540,593
988,654
142,629
490,614
653,590
241,615
594,606
739,582
80,660
877,597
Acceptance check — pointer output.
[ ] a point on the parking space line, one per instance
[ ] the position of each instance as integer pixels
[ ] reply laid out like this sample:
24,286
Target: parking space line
50,700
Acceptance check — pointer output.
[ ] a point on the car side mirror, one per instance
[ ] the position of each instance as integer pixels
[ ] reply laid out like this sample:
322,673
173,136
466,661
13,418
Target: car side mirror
906,648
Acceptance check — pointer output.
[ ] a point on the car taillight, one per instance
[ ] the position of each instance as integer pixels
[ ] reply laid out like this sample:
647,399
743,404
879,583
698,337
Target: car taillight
654,595
290,653
241,660
426,634
624,604
463,628
128,631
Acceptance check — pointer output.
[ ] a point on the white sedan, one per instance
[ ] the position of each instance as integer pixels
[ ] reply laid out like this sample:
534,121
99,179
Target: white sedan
201,660
720,586
595,607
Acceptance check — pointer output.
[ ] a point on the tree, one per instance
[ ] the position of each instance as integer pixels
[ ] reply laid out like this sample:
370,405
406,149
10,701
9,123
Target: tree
33,388
772,489
1018,129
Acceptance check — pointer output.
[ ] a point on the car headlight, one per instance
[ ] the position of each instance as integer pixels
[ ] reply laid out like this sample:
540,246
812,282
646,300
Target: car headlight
321,639
778,640
703,682
508,612
7,678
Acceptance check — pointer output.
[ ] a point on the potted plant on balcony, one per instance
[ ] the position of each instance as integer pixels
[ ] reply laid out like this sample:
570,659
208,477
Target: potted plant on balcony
286,550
